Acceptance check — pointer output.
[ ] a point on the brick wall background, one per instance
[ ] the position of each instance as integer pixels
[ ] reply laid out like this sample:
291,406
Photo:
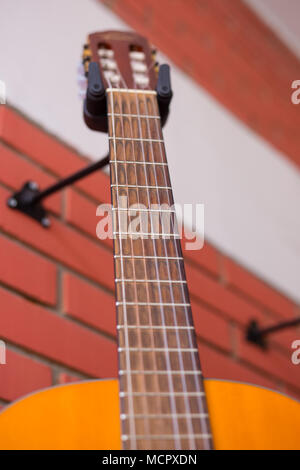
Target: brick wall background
57,313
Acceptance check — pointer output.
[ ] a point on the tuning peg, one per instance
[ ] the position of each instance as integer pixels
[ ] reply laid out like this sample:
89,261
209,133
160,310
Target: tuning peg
86,57
153,55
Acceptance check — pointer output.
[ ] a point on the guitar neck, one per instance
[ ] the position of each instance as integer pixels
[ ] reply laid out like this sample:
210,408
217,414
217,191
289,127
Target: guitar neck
161,390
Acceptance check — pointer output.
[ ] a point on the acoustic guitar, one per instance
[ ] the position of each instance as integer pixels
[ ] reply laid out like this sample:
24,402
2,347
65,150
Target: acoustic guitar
161,400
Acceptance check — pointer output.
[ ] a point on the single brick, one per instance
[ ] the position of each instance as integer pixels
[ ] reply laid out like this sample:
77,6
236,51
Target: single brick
89,304
26,271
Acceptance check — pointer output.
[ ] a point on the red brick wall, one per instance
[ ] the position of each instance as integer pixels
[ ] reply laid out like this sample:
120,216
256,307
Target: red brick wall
56,285
229,51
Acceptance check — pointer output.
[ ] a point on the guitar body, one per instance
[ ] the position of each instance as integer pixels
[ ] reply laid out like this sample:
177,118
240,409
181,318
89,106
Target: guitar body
87,416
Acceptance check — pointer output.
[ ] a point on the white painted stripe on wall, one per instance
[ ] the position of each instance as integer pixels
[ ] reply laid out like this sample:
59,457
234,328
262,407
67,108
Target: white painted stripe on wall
282,17
250,191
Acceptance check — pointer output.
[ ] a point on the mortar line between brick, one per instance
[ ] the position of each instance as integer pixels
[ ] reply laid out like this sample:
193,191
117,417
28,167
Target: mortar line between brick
41,359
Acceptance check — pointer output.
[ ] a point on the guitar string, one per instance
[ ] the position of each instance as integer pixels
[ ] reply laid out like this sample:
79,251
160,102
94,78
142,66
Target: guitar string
180,356
177,440
207,441
124,307
146,422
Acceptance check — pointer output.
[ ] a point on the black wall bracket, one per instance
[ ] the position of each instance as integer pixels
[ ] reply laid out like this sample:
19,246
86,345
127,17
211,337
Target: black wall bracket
257,335
29,198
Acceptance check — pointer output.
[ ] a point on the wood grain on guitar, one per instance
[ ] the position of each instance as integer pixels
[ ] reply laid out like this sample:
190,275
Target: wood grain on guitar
87,416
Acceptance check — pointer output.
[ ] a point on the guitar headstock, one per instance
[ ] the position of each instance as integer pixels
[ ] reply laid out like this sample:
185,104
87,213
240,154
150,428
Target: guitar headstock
126,59
123,60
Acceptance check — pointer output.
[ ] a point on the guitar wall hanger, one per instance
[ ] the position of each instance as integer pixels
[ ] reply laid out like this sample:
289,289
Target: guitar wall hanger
95,108
258,336
28,200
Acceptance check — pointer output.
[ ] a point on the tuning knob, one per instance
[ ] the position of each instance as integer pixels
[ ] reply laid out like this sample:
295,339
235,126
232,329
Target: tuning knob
86,57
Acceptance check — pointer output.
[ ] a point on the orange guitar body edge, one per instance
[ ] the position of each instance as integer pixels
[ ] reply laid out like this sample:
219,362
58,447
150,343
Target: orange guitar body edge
86,415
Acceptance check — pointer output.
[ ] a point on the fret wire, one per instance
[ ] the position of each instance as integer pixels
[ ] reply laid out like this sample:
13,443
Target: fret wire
139,186
158,304
156,327
167,436
161,372
135,139
150,234
124,209
163,281
124,416
127,354
162,394
200,403
159,349
150,257
123,90
137,162
132,115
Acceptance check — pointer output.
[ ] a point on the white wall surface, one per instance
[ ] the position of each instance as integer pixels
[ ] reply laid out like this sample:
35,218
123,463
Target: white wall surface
283,17
250,191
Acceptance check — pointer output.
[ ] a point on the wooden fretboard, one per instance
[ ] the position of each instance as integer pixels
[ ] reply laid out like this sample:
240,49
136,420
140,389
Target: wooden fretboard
161,391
